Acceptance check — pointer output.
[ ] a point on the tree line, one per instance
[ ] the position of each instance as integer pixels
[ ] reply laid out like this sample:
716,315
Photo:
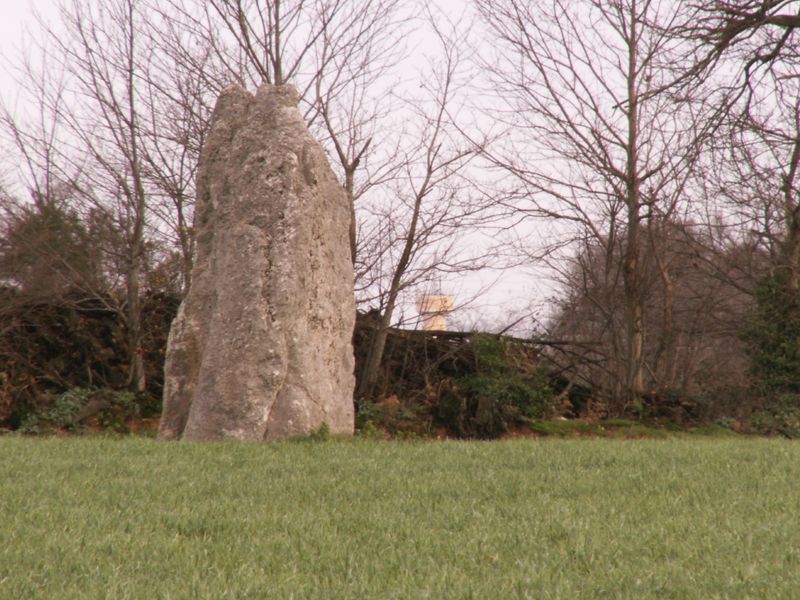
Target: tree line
645,151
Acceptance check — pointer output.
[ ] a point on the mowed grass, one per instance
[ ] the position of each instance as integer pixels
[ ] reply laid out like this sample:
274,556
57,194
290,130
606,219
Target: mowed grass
135,518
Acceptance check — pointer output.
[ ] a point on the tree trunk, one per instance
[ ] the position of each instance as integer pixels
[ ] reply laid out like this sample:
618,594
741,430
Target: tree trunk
348,187
369,375
186,243
664,356
133,317
369,372
631,266
635,320
136,195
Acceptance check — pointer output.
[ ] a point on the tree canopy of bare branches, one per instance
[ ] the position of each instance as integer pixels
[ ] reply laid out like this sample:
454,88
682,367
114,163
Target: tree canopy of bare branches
593,149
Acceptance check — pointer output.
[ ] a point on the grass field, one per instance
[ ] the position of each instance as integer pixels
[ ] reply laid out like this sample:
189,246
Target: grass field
135,518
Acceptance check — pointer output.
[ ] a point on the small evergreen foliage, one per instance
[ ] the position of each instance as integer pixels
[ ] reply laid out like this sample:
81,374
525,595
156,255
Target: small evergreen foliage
772,335
30,425
781,417
323,434
66,407
114,409
47,249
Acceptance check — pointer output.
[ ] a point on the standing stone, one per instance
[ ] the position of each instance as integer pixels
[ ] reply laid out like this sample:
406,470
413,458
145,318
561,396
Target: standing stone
261,347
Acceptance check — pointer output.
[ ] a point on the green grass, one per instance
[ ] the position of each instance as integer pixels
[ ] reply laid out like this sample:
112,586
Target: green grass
610,428
135,518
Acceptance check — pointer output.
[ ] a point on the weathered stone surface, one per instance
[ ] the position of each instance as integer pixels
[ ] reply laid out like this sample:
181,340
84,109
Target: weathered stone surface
261,347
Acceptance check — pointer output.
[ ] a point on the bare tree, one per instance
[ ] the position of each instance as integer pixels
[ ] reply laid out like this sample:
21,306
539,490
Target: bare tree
46,250
175,110
754,33
435,202
86,133
594,149
758,182
102,57
694,348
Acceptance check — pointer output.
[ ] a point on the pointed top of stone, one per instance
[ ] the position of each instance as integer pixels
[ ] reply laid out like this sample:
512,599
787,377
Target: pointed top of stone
286,94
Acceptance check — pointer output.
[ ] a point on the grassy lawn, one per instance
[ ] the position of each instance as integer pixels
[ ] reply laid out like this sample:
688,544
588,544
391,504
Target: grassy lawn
135,518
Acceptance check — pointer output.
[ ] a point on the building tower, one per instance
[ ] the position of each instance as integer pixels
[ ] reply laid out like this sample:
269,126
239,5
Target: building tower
433,310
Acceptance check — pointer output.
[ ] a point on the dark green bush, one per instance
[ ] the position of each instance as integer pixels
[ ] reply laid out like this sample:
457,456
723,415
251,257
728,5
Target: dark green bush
772,335
122,406
506,389
51,346
781,417
69,411
66,407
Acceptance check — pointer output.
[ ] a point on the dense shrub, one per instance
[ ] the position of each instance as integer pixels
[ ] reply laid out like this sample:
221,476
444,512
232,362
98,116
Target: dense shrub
76,408
780,417
49,347
506,388
772,335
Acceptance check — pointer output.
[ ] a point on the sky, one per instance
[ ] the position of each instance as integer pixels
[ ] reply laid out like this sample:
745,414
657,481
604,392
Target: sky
17,19
16,16
512,294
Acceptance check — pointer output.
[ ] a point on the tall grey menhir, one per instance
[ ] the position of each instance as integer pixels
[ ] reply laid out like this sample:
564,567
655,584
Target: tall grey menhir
261,347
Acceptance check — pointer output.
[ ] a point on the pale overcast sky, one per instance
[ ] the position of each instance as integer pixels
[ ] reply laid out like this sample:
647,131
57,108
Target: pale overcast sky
15,15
